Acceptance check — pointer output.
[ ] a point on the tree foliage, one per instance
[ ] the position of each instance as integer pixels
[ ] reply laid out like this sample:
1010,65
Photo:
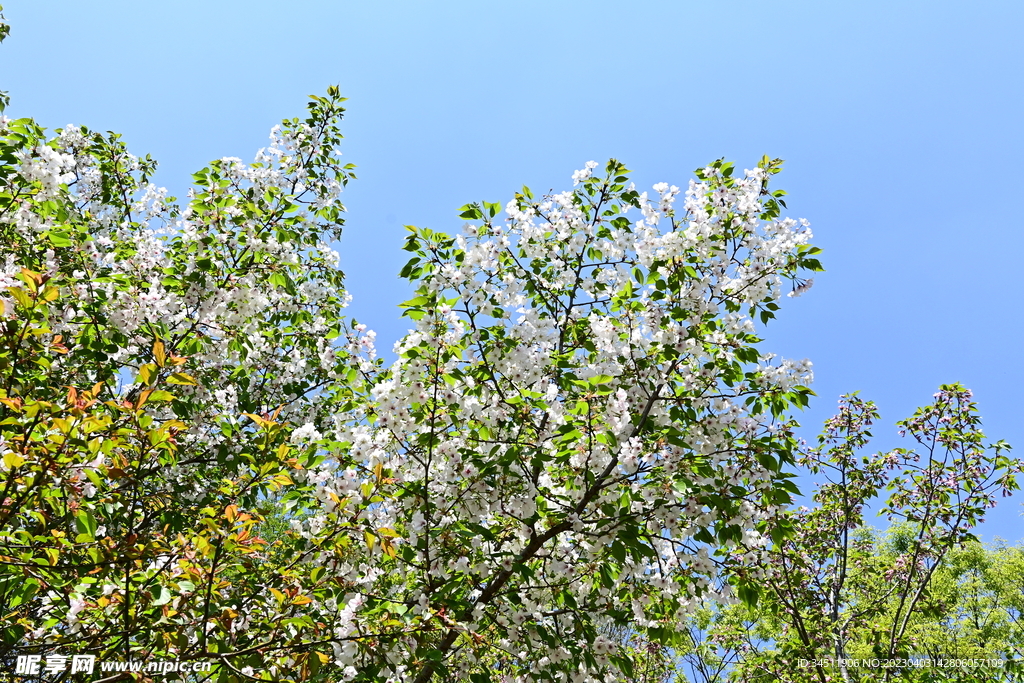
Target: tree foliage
918,598
577,450
204,459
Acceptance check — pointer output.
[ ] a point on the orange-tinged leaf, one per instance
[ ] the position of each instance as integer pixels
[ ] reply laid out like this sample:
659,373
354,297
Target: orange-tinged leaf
143,397
31,278
231,512
301,600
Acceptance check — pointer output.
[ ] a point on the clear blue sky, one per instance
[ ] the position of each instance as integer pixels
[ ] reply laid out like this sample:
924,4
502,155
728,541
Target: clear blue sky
900,123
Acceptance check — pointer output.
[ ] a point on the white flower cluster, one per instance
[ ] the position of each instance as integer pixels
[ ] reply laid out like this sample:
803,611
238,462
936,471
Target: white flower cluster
786,374
47,166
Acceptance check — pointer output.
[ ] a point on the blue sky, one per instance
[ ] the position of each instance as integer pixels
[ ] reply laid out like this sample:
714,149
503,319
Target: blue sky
900,123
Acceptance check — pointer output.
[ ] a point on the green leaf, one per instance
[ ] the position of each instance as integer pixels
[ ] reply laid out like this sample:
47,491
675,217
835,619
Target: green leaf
748,595
618,551
164,596
86,523
58,238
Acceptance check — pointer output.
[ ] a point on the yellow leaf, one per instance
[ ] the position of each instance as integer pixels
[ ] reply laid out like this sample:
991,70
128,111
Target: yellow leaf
260,422
157,437
158,353
202,545
278,594
231,512
21,296
182,378
147,373
302,600
31,278
12,460
371,540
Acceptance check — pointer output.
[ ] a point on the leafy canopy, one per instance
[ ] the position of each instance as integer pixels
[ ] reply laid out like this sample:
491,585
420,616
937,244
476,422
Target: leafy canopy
204,459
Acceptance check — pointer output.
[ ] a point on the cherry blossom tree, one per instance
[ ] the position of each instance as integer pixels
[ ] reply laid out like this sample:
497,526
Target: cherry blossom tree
203,458
579,423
